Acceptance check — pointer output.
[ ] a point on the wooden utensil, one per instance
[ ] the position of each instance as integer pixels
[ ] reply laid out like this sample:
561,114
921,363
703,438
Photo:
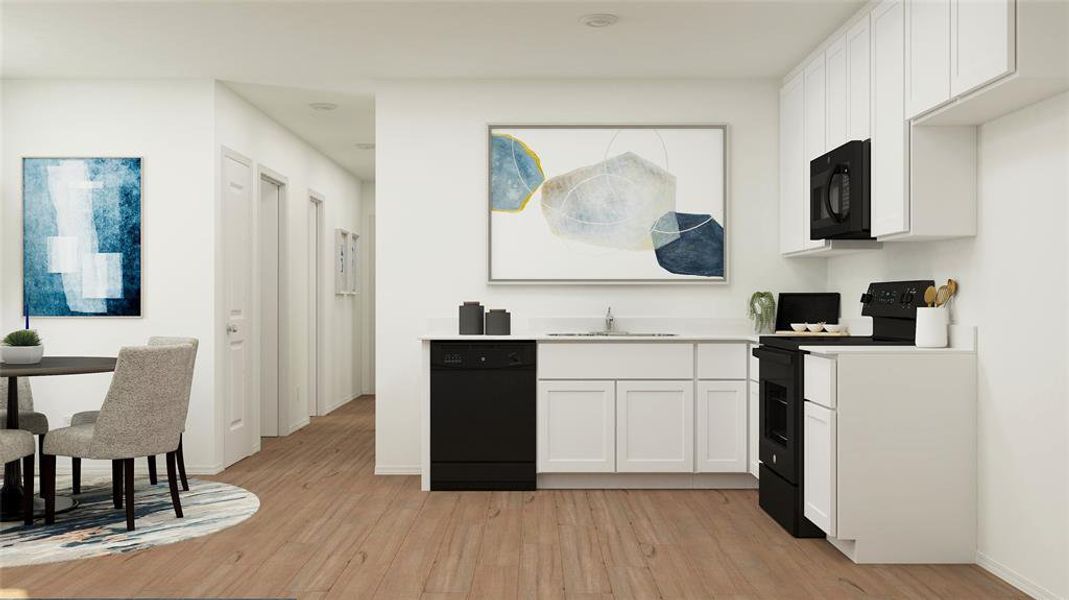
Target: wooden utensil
942,295
952,286
929,296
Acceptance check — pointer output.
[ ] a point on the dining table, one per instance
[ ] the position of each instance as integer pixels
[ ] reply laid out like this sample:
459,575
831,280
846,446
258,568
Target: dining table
12,493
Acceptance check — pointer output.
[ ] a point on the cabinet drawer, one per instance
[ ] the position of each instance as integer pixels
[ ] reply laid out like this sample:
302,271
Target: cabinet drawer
722,361
621,360
819,376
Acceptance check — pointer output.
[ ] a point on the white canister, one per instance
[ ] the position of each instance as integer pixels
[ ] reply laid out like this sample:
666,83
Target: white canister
932,326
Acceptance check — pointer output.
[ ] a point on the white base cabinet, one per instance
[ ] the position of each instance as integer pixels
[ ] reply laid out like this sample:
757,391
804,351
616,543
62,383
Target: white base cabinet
722,408
819,466
655,426
576,427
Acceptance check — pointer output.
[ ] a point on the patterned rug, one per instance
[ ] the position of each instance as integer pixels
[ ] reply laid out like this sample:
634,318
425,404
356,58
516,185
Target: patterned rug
96,527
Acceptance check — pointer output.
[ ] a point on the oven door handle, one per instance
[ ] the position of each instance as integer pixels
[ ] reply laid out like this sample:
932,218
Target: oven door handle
772,356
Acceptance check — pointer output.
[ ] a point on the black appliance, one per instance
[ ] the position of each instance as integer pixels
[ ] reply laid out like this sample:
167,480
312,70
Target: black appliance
839,194
893,308
483,415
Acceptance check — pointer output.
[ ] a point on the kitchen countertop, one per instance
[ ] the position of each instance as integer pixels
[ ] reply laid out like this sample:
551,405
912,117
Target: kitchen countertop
834,350
544,337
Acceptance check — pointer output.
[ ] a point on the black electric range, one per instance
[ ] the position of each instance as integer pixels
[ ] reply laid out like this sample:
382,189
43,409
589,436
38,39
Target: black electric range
893,308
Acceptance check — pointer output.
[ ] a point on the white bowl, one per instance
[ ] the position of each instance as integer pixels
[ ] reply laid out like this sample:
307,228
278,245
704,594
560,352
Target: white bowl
834,327
815,327
798,326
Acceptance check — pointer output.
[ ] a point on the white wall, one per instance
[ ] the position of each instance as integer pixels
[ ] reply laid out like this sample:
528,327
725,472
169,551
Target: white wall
246,130
367,221
169,125
1014,280
431,181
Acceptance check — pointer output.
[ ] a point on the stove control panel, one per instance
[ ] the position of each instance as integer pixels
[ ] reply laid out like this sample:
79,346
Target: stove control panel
895,299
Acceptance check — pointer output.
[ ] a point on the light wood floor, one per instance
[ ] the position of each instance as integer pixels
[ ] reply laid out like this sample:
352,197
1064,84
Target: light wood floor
329,529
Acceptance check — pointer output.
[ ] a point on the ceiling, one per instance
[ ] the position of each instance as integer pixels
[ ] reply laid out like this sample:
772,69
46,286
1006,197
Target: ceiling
282,55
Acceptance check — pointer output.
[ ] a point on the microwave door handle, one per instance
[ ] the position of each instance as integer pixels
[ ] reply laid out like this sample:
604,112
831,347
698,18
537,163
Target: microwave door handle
839,169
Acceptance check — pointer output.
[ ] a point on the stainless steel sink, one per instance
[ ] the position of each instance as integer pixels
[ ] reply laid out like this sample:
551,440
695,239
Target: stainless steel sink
611,334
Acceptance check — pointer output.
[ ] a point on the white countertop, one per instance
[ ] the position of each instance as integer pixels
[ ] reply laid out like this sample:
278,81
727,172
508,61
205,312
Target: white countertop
545,337
834,350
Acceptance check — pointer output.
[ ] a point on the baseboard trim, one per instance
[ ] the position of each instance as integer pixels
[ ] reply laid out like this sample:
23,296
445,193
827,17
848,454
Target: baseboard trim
398,470
646,481
298,425
1014,578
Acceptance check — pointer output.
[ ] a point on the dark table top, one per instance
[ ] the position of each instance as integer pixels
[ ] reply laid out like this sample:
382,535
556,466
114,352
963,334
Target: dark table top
60,365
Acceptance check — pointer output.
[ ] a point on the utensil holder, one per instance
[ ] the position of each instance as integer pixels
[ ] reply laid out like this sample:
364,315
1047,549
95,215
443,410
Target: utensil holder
932,326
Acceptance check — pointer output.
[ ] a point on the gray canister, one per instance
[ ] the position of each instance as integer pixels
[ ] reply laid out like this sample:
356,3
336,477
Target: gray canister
471,318
498,322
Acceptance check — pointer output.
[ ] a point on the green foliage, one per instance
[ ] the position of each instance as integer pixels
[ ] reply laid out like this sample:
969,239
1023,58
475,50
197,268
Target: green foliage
762,311
22,337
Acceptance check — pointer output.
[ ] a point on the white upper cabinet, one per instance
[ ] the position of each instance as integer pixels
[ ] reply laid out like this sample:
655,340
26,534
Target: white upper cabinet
815,109
928,48
981,42
890,129
858,86
793,171
836,95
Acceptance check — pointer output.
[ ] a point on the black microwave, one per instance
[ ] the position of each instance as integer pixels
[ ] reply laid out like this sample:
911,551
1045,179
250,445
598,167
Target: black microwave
839,194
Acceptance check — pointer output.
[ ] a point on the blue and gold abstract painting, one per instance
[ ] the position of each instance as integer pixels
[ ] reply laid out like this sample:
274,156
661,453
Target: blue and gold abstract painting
634,204
81,240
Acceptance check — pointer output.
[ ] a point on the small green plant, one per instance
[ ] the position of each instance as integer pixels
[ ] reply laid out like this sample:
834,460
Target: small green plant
22,337
762,311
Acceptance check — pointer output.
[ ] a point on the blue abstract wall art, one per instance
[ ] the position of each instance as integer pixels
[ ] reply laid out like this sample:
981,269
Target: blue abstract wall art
627,204
81,240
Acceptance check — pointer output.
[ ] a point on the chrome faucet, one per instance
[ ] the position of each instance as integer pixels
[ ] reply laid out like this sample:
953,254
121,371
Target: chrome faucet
610,321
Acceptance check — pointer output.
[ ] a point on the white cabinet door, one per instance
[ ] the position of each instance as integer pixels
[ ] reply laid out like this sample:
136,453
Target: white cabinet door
819,464
655,426
928,49
982,42
576,427
858,82
722,427
816,140
793,168
755,420
890,129
836,81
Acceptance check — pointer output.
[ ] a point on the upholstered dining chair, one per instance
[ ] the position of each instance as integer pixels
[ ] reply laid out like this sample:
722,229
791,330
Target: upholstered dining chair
16,444
143,414
29,419
90,416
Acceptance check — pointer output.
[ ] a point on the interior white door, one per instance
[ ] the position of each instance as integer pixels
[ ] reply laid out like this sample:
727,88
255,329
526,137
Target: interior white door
928,49
576,427
858,81
890,129
655,426
819,462
239,401
270,413
315,404
793,191
722,408
982,42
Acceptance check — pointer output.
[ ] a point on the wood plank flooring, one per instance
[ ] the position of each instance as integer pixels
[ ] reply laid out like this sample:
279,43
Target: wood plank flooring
328,529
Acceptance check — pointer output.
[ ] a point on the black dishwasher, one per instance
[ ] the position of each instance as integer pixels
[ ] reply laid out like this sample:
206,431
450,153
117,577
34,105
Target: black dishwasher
483,415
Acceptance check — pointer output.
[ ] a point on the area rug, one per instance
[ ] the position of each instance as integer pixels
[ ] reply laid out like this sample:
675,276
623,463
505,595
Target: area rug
96,527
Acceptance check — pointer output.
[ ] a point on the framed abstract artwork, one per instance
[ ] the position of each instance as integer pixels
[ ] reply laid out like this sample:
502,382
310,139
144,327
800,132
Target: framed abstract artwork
607,204
81,237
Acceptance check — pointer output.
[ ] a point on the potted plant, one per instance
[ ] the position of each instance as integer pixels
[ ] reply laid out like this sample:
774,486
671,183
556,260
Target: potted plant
22,347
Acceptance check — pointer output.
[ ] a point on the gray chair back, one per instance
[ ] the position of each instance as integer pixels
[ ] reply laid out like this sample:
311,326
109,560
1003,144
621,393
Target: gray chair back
144,411
159,340
25,394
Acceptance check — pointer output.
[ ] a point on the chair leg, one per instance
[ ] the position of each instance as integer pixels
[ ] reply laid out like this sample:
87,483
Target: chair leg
181,465
128,483
152,469
116,483
172,482
27,489
76,475
48,486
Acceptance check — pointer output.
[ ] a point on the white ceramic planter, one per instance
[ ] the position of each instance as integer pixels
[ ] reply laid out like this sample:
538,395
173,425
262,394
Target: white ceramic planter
22,355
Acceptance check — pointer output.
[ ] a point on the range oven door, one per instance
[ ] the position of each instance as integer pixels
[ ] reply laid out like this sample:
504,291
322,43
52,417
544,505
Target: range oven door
780,406
839,193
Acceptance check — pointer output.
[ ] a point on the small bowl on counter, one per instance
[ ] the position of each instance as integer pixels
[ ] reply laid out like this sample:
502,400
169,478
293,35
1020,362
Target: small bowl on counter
815,327
799,326
834,327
